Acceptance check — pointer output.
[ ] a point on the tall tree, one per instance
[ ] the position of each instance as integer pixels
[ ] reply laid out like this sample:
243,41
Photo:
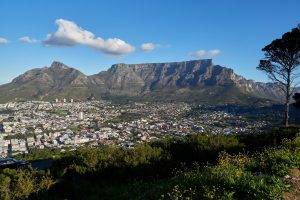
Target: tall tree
281,63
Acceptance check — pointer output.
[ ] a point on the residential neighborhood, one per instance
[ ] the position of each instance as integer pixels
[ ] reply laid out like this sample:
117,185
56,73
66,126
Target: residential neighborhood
66,124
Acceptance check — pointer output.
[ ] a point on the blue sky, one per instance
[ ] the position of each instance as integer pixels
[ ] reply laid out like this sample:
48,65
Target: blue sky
91,35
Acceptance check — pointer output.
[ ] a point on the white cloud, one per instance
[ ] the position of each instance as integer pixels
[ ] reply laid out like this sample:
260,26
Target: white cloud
27,39
214,52
69,34
3,41
149,46
203,53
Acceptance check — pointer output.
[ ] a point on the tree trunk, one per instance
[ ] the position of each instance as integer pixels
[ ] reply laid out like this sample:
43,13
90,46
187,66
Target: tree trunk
287,99
286,113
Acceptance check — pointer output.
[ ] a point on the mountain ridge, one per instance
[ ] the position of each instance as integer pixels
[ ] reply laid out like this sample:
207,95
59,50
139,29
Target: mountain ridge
195,80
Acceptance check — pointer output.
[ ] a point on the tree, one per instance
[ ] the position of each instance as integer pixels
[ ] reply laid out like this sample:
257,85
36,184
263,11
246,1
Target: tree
281,63
297,100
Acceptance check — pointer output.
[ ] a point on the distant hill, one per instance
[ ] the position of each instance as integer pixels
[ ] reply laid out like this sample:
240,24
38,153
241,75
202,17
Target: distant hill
194,81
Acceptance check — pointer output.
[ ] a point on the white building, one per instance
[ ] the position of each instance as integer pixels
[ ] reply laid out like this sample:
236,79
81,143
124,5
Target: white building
81,115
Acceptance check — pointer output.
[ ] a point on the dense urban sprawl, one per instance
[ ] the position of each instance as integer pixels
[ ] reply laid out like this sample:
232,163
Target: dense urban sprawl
66,124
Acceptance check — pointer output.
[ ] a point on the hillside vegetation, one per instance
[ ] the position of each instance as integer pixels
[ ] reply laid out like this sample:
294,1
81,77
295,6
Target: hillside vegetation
200,166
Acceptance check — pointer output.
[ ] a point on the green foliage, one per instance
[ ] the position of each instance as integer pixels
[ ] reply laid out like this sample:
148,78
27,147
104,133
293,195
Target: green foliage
199,148
240,176
277,161
21,184
121,161
178,193
203,142
200,166
229,180
40,154
281,64
270,138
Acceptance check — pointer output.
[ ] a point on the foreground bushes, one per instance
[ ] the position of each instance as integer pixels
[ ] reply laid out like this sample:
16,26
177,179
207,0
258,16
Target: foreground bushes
201,148
199,166
112,163
229,179
240,176
147,161
21,184
278,161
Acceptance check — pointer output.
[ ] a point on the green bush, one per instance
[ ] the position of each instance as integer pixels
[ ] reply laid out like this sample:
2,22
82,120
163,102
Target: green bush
202,148
269,138
143,160
21,184
227,180
276,161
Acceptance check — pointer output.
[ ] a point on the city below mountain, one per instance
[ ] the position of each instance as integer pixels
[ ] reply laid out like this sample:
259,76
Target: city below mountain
198,81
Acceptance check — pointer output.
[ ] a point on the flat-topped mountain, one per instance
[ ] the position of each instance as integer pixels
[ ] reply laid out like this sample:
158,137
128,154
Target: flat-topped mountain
196,80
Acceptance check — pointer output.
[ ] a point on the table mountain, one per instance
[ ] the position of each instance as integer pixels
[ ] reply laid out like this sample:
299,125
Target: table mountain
197,80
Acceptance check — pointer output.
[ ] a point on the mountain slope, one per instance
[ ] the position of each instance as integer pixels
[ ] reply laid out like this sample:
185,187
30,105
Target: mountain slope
197,80
58,80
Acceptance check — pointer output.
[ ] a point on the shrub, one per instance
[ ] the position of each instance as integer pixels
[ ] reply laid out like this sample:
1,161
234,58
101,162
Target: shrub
21,184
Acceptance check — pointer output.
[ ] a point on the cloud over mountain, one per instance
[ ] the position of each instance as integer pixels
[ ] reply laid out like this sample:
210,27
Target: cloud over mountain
203,53
149,46
70,34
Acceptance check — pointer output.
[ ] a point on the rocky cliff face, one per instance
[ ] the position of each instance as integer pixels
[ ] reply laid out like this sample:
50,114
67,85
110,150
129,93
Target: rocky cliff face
153,76
197,75
197,80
